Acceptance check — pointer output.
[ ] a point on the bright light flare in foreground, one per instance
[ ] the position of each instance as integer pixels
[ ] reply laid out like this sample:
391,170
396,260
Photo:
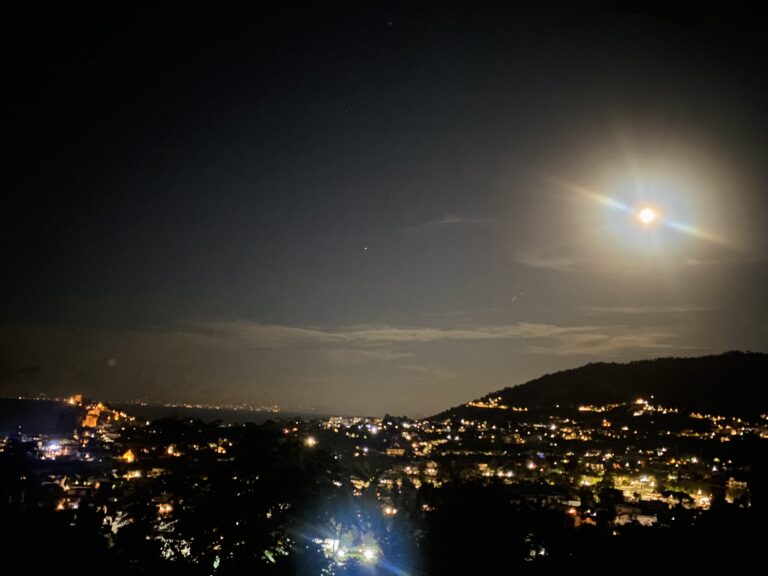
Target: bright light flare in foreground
369,555
647,216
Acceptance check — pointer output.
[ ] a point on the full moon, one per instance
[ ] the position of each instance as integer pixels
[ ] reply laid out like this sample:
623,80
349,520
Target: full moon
647,215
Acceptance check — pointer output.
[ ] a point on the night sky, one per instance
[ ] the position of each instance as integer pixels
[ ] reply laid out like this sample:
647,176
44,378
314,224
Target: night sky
375,207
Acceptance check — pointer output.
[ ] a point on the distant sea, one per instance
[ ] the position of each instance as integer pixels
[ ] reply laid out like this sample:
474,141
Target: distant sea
37,417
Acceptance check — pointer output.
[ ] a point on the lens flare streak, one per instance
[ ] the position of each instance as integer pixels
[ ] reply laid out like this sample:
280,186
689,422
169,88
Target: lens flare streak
646,215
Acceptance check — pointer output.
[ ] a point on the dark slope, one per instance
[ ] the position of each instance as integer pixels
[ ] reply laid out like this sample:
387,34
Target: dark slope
734,382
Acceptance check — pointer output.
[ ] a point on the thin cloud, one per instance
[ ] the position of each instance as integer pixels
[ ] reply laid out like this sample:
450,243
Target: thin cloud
430,371
448,221
458,313
399,341
270,335
569,263
289,365
355,357
640,310
560,264
610,342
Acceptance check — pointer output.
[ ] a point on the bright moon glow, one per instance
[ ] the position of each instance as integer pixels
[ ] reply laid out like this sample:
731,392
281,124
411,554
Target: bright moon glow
647,215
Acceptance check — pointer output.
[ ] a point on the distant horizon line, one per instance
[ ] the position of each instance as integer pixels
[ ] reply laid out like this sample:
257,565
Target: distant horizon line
264,408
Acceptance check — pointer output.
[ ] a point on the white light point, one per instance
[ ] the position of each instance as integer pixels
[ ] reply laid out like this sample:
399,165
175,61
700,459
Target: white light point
647,216
369,555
